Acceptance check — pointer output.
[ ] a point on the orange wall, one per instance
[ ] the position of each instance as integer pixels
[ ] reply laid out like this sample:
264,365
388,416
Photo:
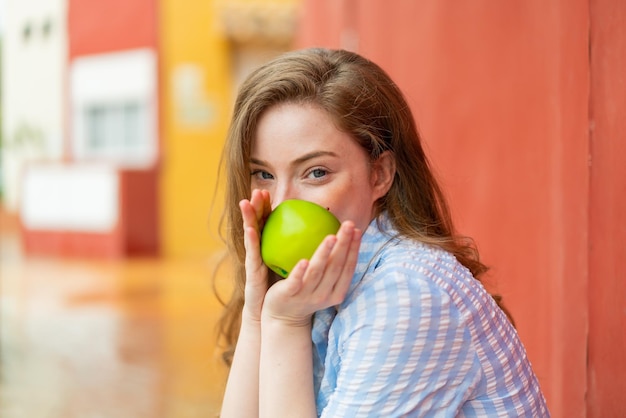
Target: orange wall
501,93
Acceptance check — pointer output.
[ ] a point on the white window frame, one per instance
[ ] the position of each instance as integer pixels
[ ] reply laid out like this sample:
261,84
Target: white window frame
110,82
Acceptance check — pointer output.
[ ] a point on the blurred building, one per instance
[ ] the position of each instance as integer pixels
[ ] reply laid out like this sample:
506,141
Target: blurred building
116,113
33,87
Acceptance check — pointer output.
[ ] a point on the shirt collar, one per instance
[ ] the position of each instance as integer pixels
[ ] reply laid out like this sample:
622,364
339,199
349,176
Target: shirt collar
379,233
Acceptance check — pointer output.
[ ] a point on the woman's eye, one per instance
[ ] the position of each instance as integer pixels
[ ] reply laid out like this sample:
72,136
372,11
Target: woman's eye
262,175
318,173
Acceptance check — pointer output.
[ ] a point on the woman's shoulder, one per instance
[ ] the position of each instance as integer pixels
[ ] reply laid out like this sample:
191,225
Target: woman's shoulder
401,262
405,256
389,260
423,271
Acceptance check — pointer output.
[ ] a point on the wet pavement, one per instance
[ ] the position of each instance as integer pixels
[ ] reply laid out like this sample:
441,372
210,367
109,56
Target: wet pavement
98,339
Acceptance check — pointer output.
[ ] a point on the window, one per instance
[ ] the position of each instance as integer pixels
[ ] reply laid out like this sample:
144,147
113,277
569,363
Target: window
115,108
115,130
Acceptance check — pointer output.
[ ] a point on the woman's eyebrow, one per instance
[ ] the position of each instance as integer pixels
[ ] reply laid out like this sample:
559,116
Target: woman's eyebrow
311,155
258,162
298,161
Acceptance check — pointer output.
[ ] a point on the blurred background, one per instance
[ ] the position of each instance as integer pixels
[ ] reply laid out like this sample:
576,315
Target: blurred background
113,117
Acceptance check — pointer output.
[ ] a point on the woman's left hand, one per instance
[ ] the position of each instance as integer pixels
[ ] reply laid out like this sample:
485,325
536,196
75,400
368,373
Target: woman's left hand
316,284
254,212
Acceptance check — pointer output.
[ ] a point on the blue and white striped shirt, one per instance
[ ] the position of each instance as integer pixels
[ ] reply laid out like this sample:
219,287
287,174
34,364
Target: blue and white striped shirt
417,335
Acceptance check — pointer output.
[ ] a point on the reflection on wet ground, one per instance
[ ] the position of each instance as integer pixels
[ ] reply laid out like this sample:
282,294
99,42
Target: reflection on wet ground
84,339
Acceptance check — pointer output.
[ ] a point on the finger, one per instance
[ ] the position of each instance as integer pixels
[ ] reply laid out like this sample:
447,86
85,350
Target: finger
260,201
256,200
248,215
317,265
246,209
253,261
294,282
267,208
334,266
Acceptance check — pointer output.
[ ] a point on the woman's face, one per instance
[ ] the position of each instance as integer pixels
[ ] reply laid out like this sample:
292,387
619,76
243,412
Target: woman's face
298,153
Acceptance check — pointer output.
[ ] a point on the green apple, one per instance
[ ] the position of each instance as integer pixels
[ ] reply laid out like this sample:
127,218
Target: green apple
292,232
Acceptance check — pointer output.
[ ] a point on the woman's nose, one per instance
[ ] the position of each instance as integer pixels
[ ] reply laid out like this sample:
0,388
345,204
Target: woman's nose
281,193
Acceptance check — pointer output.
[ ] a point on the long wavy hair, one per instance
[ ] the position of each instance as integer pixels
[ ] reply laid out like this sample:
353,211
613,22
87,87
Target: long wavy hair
364,102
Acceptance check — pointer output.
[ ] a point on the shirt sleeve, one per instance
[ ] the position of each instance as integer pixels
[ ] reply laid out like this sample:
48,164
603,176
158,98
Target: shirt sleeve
402,350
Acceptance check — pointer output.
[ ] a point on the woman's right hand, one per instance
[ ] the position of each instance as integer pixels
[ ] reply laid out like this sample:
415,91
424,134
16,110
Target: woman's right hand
254,213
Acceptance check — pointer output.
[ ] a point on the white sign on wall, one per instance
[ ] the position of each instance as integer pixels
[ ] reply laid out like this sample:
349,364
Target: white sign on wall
76,197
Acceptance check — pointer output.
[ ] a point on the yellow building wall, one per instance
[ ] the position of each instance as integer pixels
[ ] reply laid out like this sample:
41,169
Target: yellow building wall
196,94
206,48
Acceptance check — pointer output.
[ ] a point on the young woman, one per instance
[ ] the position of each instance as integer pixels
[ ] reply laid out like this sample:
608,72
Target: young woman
388,318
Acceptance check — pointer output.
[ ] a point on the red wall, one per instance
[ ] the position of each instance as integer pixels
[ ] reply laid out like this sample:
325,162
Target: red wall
135,233
97,26
607,232
501,92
